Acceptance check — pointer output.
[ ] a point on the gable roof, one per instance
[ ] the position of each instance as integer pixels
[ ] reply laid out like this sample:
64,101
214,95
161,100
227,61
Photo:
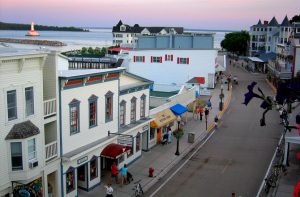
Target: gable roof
273,22
22,130
137,77
259,23
285,22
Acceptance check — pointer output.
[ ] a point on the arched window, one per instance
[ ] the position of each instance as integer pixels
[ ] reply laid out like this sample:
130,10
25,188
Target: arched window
74,116
133,110
143,106
93,111
109,106
123,113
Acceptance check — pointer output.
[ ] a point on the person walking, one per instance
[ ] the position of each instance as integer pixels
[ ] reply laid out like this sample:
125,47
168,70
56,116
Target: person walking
201,112
169,135
216,121
109,190
209,105
124,174
206,112
114,172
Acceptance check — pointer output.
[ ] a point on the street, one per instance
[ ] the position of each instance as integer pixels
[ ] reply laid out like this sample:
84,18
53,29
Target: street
236,157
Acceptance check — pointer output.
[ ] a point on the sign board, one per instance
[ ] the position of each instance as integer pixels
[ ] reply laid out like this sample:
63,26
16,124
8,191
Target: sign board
81,160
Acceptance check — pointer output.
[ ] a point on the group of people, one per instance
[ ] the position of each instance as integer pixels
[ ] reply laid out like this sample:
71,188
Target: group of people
200,110
115,175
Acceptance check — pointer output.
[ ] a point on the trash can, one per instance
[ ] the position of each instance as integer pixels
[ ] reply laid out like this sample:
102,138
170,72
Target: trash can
191,137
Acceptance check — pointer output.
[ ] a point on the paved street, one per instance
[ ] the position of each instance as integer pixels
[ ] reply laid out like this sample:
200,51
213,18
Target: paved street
236,157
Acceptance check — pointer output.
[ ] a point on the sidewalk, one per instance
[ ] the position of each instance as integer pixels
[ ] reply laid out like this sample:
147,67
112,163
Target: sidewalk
163,158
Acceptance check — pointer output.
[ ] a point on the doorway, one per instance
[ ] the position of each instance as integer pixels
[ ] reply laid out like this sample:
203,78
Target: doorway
82,177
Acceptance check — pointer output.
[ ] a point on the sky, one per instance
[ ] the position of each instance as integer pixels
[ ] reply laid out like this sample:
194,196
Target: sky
195,14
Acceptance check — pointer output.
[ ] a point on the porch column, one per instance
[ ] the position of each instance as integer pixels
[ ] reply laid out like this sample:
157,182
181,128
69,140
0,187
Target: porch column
45,183
286,149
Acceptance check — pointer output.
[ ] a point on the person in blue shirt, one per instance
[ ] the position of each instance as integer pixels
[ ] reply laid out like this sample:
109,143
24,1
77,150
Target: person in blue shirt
124,174
209,104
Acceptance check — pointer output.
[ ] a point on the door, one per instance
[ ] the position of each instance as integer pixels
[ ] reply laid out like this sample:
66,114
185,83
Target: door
158,136
82,178
145,140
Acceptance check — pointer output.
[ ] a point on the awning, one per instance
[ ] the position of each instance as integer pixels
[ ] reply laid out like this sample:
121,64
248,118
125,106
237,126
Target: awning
219,68
197,80
255,59
163,118
178,109
114,151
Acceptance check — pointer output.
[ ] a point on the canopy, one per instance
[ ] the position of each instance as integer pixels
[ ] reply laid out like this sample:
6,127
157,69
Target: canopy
255,59
114,151
163,118
178,109
197,80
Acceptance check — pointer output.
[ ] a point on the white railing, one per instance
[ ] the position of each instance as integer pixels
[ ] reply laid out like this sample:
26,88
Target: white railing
51,150
49,107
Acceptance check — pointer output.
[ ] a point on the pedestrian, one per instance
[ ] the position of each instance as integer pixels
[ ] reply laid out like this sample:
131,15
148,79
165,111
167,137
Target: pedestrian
201,112
169,135
114,172
206,112
109,190
124,174
209,105
216,121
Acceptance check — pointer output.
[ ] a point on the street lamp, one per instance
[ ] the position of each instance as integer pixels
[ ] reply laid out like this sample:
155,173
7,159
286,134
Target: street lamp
177,135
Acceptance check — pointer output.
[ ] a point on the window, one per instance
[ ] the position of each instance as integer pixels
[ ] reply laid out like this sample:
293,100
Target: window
138,142
139,59
254,29
122,113
12,105
31,150
183,60
133,110
70,180
152,133
168,57
16,156
93,168
93,111
121,159
29,101
143,106
269,38
269,49
156,59
74,116
109,106
298,30
270,29
286,29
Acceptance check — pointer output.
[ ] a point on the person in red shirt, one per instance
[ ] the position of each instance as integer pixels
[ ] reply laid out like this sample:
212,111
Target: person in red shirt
114,172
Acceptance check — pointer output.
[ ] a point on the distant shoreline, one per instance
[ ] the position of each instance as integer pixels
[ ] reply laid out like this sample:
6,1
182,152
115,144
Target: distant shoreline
34,42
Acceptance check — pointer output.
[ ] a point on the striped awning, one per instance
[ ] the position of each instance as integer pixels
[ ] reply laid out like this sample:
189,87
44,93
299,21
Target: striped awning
163,118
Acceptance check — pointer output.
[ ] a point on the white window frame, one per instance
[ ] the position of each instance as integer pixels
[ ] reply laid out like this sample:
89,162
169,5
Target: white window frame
20,167
32,102
32,152
15,106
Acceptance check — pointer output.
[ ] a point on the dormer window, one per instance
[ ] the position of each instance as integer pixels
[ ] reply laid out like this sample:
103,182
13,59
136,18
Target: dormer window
122,28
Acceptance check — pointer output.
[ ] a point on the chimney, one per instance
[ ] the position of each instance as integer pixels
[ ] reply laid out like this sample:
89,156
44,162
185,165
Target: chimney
266,22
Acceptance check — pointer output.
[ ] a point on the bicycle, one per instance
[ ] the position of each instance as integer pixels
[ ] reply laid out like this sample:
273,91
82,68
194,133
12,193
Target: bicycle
138,190
270,183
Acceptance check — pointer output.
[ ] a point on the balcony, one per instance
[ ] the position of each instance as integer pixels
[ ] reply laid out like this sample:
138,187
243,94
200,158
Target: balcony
51,150
49,108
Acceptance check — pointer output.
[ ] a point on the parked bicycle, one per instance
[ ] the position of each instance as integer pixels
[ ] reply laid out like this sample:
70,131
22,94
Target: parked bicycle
270,182
138,190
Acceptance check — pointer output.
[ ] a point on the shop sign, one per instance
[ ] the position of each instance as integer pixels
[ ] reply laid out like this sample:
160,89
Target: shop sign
81,160
146,127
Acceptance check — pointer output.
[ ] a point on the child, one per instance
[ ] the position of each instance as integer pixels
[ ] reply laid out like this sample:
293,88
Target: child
109,190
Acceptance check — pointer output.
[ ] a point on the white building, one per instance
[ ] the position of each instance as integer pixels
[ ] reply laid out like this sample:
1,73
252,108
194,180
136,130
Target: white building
104,120
28,140
126,35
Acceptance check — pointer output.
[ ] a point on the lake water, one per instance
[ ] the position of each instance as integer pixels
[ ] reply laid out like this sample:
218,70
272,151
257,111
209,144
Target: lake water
76,40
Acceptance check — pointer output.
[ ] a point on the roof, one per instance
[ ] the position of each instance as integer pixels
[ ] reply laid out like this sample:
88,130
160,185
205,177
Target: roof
199,80
137,77
80,72
285,22
259,23
8,52
163,94
273,22
265,57
255,59
22,130
138,29
178,109
114,151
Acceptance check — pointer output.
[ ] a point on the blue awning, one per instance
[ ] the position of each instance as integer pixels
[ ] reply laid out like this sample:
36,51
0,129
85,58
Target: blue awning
178,109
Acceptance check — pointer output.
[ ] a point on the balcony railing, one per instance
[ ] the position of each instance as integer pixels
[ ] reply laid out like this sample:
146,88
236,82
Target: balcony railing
49,108
51,150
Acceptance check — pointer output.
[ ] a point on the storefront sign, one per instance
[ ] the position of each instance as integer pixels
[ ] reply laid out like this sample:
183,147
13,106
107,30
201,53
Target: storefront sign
146,127
81,160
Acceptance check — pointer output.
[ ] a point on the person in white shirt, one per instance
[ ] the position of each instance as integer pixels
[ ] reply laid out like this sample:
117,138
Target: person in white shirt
109,190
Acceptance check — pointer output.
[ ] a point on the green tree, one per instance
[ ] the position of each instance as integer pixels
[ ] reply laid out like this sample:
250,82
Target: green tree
236,42
90,50
295,18
97,51
103,51
84,50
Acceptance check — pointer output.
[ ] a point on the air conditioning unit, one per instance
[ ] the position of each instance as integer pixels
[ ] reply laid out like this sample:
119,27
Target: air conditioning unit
33,164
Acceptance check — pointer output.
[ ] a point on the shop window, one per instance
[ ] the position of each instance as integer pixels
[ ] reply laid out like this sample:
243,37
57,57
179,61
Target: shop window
70,180
16,156
138,142
130,152
94,168
152,133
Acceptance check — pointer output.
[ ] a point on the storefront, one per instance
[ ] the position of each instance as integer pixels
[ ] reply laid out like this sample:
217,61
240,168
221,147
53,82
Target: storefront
32,189
159,126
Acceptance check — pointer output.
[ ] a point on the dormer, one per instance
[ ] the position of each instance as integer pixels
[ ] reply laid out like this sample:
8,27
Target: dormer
122,28
163,32
172,31
145,31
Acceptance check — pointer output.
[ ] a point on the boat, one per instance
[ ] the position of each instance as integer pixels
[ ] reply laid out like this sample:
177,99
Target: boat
32,32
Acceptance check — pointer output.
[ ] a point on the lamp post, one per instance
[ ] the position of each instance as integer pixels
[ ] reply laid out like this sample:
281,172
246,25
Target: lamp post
178,135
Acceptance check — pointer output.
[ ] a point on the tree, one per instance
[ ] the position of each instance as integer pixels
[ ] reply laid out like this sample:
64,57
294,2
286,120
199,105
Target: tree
90,50
84,50
236,42
103,51
295,18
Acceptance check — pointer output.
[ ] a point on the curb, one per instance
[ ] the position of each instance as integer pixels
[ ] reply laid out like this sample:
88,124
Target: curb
148,185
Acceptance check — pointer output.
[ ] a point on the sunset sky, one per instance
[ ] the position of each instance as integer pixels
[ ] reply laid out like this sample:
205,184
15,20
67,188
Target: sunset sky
201,14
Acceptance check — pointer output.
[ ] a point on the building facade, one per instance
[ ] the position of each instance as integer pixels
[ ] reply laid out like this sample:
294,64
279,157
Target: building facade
126,35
